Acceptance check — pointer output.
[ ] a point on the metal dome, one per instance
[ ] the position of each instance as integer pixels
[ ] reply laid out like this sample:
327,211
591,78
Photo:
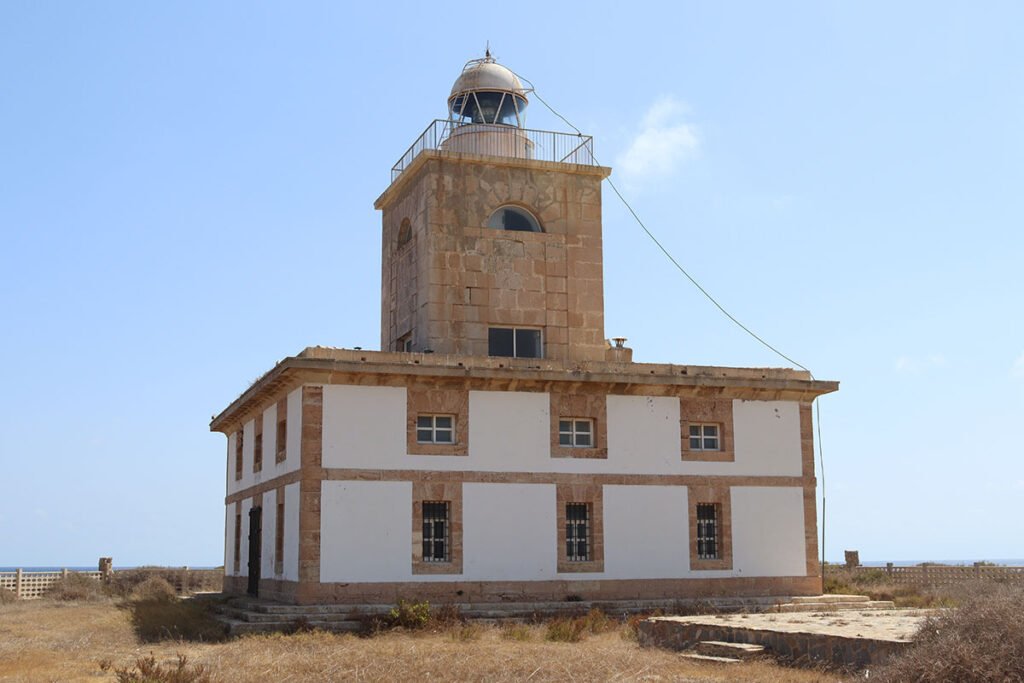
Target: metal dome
487,93
486,74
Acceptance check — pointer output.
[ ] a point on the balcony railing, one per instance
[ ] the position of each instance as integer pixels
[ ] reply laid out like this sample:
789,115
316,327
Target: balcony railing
498,140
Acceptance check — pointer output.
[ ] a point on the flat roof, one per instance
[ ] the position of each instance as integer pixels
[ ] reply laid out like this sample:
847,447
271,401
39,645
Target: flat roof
326,365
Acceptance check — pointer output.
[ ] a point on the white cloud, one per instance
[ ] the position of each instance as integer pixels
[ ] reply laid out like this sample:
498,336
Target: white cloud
1017,369
664,140
918,364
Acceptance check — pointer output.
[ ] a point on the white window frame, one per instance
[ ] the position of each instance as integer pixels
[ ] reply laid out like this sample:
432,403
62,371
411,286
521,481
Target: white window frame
703,437
574,432
434,429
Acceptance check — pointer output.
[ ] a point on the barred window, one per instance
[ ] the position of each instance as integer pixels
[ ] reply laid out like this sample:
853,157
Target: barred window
577,532
436,531
576,433
435,429
257,446
704,437
707,531
281,449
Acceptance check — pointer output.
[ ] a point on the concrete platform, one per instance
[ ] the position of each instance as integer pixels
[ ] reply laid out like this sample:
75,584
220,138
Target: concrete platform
848,638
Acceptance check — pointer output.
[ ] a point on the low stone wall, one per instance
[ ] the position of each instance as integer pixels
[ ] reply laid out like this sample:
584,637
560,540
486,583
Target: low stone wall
801,648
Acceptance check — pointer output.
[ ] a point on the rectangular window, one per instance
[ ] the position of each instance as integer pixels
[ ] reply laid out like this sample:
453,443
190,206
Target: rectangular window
281,446
239,445
436,541
576,432
707,531
514,342
404,343
237,561
279,534
257,445
704,437
577,532
435,429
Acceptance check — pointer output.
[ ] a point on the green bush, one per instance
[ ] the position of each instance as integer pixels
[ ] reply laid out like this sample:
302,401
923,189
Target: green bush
409,615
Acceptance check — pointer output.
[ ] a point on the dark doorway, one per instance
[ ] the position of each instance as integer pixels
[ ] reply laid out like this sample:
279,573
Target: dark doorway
255,535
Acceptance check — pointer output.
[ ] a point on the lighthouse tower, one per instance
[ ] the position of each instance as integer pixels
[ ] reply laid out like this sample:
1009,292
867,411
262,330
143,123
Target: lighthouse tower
492,233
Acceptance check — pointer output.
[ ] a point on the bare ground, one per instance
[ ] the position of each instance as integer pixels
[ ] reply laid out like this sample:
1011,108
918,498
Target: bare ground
52,641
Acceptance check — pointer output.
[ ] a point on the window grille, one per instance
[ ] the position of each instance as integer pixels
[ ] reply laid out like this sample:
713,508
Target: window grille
239,445
707,531
704,437
435,531
435,429
576,433
577,532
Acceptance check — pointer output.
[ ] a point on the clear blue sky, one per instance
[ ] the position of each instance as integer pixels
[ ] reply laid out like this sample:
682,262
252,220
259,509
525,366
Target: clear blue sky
186,197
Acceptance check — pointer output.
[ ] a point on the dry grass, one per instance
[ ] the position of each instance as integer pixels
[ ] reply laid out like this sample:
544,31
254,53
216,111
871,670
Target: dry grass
875,584
980,641
46,640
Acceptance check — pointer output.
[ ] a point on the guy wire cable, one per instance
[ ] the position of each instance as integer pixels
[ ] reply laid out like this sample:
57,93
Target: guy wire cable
730,316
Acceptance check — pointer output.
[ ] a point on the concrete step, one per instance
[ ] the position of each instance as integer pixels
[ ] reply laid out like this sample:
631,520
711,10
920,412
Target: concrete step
828,597
710,658
720,648
835,606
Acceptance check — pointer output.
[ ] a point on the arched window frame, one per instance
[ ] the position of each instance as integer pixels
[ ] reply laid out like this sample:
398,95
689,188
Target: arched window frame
404,233
530,216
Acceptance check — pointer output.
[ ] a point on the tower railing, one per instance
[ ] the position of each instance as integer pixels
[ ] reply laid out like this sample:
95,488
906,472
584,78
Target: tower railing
499,140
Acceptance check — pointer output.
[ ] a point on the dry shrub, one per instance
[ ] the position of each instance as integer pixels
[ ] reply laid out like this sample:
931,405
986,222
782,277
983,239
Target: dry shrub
154,588
158,620
75,587
466,633
517,632
147,670
7,596
980,641
566,630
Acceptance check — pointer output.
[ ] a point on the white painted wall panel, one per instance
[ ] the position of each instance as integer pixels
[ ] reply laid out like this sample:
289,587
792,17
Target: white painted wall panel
766,440
291,532
643,434
768,531
645,532
365,427
366,531
510,430
509,532
269,522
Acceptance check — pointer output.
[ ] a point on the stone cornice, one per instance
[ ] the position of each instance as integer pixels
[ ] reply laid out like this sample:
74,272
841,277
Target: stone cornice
427,155
320,365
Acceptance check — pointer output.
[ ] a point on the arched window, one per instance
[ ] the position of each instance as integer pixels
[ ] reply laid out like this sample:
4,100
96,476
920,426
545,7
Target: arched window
404,232
513,218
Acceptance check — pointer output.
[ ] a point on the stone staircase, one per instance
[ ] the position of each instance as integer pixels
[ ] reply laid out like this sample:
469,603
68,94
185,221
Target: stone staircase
832,603
246,615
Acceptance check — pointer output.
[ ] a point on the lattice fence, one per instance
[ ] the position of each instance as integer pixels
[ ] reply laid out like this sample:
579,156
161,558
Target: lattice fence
935,575
31,585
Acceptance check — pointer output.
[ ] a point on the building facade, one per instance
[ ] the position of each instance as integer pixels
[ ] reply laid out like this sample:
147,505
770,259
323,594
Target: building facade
498,448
